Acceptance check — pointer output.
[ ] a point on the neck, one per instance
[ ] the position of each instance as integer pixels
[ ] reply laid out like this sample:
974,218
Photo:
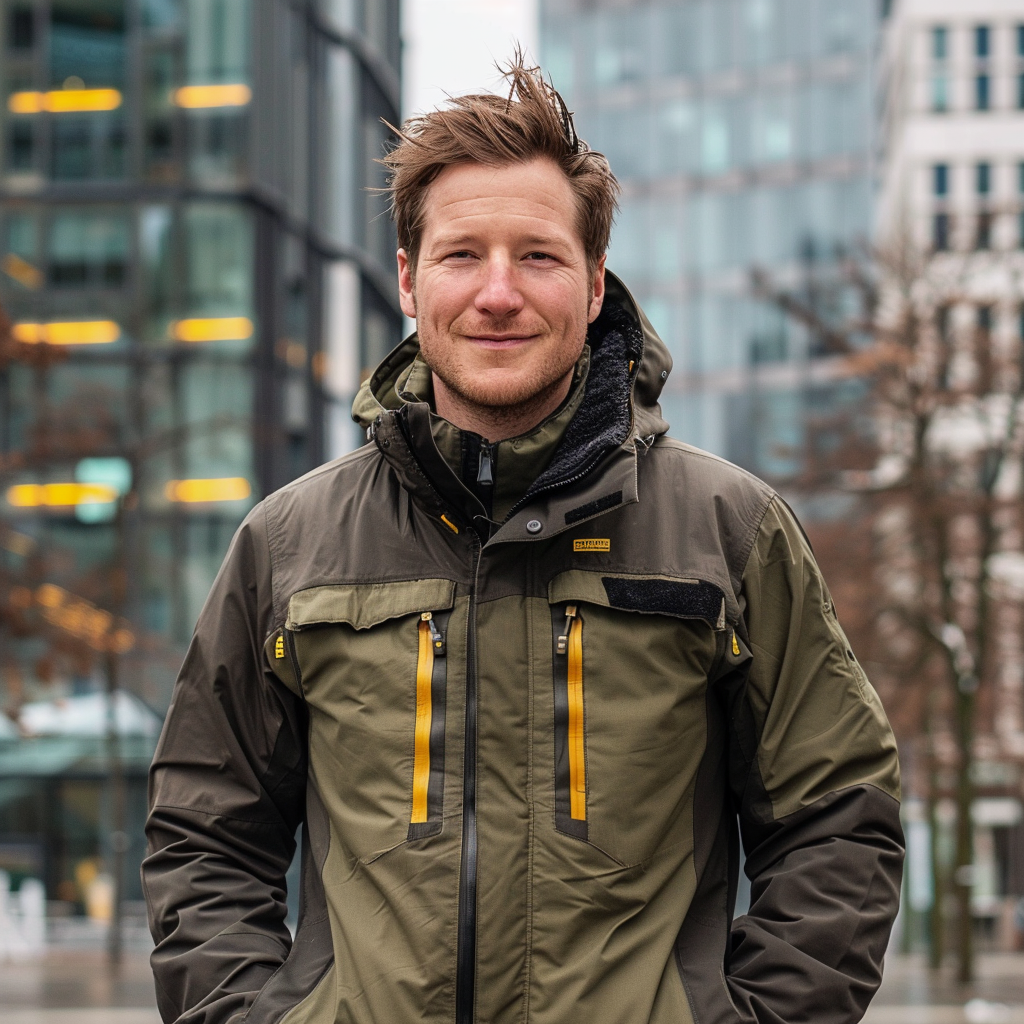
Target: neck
498,423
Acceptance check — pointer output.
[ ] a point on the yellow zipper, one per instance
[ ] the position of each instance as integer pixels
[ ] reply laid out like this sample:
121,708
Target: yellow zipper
577,749
424,675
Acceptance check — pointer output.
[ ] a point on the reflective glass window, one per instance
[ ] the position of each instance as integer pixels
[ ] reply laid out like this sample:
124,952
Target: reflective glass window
940,42
982,41
158,267
217,45
160,78
675,45
340,127
675,129
21,27
217,54
982,92
379,234
219,260
940,179
983,179
87,44
940,93
19,254
162,15
89,249
88,51
1020,40
758,25
224,389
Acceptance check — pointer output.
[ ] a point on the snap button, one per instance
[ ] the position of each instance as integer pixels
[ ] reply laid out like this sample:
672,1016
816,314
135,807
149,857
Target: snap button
534,526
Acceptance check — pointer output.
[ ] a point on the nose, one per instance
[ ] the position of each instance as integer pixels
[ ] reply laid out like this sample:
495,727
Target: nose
499,294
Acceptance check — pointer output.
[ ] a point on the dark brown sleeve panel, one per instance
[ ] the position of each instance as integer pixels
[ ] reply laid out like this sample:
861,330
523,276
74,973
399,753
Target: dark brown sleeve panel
227,788
825,884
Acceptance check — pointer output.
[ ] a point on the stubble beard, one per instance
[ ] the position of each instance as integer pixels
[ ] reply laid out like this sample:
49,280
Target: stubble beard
509,404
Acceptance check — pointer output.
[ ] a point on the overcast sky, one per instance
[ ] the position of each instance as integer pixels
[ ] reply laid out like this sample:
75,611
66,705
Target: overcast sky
451,46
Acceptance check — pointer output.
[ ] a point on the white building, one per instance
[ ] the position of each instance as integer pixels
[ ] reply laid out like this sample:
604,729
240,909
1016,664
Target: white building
952,132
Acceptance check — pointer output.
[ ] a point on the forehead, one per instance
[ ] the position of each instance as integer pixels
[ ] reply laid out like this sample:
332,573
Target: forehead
472,197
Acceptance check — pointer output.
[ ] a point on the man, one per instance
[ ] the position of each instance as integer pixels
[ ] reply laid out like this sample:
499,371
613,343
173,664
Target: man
517,667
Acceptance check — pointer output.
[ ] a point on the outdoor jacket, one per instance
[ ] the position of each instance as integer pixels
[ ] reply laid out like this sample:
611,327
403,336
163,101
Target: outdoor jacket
519,751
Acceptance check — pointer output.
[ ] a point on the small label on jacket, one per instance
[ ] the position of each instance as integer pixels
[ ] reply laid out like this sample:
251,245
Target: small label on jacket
592,544
279,647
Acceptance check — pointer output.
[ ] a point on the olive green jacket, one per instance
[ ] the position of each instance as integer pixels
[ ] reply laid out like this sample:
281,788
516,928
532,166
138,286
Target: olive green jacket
519,752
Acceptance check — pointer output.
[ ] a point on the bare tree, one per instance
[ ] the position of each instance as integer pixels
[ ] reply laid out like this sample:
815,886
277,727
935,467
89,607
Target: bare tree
941,495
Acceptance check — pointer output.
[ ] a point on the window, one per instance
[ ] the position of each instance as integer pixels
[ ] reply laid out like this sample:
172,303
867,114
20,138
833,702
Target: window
940,179
21,33
983,235
1020,91
940,232
983,179
982,92
1020,216
940,79
88,249
982,41
985,318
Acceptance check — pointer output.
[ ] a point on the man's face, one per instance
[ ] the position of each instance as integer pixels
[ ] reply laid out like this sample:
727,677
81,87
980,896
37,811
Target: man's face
502,294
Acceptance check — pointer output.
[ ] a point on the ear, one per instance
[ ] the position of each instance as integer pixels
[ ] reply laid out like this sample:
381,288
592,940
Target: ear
406,291
597,291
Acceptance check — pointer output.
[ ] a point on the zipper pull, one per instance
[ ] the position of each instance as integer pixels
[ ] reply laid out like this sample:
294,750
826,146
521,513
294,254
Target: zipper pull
436,636
485,467
563,640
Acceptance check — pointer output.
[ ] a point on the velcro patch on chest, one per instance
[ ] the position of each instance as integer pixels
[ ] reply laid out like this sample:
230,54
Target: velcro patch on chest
687,599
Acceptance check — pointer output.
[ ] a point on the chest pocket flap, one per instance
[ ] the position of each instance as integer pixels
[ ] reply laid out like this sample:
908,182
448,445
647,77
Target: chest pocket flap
365,605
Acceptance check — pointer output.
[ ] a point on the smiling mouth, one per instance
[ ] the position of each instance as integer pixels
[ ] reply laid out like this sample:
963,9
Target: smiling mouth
500,340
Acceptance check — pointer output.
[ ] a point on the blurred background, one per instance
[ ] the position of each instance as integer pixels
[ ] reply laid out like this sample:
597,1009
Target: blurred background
822,215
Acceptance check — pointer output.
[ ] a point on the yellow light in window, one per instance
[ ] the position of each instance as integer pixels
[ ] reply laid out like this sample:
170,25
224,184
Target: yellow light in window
21,270
221,328
190,492
60,495
26,102
199,97
64,101
72,332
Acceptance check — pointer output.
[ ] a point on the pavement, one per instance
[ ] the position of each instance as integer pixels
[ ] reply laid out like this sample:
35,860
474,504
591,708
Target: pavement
78,986
911,994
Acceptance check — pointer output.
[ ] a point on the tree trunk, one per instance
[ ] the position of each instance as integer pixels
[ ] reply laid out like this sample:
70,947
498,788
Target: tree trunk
963,876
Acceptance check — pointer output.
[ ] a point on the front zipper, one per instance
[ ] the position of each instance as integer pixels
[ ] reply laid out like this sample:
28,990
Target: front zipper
465,969
570,732
428,745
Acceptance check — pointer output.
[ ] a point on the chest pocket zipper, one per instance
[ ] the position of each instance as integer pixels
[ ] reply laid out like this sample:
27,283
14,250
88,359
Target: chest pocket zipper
428,757
570,731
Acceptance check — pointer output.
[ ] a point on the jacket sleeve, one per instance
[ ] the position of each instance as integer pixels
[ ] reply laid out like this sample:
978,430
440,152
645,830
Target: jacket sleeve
226,796
818,797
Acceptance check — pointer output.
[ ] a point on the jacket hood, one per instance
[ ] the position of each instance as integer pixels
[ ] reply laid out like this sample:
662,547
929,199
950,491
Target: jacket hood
620,332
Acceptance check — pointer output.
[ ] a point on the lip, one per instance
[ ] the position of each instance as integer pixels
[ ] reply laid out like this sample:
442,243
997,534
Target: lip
500,340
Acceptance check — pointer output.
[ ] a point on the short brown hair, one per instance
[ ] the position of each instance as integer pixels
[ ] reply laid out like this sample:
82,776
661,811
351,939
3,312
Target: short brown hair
533,122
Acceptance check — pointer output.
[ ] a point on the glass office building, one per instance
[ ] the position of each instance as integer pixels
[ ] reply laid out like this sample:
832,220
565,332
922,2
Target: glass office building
196,270
741,132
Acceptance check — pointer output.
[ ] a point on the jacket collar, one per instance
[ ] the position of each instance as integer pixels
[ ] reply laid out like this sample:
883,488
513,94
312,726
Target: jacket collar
618,417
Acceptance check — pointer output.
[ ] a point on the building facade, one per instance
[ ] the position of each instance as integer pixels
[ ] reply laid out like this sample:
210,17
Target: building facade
741,131
951,208
196,271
